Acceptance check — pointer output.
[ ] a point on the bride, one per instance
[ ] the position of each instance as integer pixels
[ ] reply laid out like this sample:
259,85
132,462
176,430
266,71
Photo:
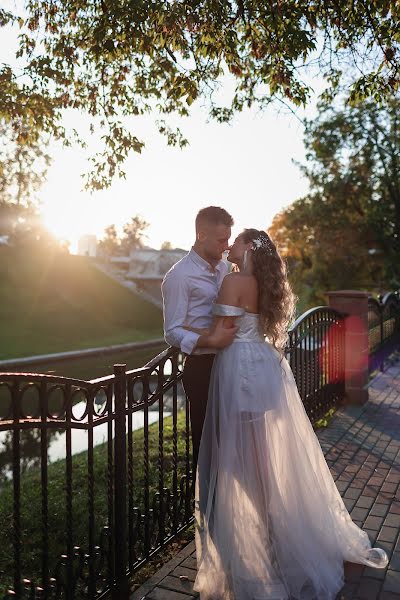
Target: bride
270,522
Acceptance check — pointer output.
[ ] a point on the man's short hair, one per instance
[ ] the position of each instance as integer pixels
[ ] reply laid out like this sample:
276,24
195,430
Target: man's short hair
213,215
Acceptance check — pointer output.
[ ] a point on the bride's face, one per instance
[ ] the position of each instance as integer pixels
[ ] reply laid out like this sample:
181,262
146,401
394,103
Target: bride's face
236,251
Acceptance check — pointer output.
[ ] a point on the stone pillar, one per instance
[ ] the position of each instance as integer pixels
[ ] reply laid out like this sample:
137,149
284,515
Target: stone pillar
355,305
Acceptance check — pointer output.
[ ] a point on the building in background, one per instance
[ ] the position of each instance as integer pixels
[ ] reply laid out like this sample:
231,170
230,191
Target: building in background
87,245
146,267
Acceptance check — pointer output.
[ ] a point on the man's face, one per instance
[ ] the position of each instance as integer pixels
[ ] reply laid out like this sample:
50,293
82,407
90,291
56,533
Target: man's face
215,240
236,251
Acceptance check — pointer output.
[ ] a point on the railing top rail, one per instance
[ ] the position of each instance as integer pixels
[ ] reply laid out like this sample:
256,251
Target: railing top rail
44,377
311,311
161,356
380,304
390,296
108,378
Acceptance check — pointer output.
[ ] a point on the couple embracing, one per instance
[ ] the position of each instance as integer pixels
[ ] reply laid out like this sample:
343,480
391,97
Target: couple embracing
270,522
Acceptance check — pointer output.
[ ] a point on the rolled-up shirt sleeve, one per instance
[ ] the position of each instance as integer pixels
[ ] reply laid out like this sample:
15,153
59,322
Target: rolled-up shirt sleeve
175,294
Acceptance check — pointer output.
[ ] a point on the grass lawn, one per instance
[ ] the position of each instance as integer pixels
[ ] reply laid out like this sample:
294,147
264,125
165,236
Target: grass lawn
53,302
31,509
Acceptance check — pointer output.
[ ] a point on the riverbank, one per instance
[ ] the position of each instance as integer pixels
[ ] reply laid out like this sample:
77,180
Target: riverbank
89,367
53,302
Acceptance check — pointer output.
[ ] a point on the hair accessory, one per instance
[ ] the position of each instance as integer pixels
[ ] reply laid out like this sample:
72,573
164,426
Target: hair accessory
263,241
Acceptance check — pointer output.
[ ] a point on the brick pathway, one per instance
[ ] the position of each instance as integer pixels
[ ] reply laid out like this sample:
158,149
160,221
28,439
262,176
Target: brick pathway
362,449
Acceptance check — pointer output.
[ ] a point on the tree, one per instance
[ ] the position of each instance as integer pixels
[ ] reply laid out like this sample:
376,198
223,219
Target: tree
118,59
166,245
134,232
23,163
109,244
23,226
23,166
346,231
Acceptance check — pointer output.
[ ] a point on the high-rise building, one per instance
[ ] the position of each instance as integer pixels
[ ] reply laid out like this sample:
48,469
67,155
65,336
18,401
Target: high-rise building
87,245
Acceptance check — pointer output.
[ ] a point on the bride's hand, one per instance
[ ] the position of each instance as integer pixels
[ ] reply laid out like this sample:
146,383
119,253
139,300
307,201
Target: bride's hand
222,333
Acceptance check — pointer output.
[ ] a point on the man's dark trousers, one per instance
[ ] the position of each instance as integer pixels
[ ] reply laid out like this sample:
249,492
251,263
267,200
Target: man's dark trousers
196,381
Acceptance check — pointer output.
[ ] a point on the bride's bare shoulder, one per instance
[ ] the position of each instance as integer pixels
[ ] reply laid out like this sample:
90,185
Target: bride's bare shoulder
238,278
238,281
238,289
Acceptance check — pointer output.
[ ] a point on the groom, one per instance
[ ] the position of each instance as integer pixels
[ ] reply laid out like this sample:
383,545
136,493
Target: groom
189,290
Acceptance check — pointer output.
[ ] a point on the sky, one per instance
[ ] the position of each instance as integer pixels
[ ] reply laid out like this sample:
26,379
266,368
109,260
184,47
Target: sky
246,167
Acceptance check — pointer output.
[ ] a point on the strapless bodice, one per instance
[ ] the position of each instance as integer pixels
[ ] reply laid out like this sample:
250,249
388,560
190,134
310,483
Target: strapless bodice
248,323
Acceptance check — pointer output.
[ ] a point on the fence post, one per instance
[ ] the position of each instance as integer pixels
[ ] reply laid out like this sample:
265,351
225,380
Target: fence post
354,304
121,588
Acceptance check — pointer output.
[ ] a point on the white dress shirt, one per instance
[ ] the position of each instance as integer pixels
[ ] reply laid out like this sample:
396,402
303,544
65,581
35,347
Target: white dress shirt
189,289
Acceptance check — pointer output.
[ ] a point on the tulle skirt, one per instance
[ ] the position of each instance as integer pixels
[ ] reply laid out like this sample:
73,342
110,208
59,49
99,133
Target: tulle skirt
270,522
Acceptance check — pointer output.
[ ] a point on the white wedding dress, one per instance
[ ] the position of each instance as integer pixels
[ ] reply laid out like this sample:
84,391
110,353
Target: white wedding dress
270,522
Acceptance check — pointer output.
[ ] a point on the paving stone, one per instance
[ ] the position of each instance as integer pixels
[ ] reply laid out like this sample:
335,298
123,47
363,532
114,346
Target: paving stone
358,523
375,573
178,585
359,513
376,480
392,520
368,589
349,503
392,581
388,534
352,493
389,596
190,562
392,477
388,547
358,483
342,485
394,563
347,592
182,571
379,510
351,468
389,487
164,594
385,498
368,491
364,502
374,523
371,534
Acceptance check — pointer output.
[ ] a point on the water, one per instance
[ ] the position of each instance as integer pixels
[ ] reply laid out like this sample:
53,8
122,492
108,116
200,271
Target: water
79,437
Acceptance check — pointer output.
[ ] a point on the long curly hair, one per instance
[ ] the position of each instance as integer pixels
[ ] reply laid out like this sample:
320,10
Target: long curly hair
276,300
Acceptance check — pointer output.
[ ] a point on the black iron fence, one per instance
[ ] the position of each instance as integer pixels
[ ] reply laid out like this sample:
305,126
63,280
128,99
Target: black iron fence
316,356
383,328
78,527
81,524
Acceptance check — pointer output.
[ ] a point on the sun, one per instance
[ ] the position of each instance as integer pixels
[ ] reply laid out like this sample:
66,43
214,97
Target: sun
70,220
